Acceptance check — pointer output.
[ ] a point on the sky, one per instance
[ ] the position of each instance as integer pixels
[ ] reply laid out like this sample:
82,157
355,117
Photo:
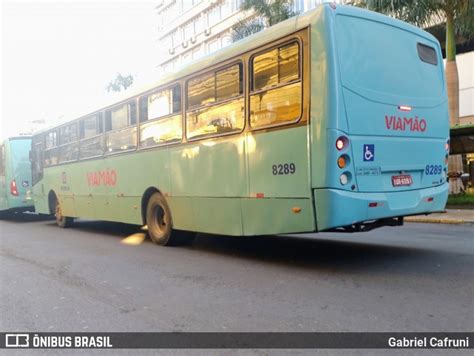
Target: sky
58,57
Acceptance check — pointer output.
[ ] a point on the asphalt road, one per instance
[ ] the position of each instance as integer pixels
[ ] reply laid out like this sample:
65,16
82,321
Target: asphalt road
419,277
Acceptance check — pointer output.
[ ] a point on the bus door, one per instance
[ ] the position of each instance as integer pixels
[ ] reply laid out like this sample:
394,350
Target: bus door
208,173
277,145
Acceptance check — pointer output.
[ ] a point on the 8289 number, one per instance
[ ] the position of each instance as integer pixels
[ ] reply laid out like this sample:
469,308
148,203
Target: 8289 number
283,169
431,169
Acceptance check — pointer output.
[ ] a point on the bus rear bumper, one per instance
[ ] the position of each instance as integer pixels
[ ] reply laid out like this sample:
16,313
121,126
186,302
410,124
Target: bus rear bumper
345,209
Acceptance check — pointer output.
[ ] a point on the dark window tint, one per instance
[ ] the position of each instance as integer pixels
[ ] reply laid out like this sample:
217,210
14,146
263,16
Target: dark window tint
68,134
50,140
427,54
89,127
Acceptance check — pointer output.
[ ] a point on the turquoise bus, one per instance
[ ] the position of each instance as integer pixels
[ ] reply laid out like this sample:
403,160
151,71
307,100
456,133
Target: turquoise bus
336,119
15,175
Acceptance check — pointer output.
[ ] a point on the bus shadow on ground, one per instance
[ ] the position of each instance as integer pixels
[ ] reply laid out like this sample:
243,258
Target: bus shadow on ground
117,229
313,252
299,252
25,217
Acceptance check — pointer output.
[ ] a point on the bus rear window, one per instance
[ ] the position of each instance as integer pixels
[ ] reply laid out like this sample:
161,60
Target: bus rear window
427,54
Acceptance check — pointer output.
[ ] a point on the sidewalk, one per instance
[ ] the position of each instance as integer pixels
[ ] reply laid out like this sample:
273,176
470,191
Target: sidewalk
451,216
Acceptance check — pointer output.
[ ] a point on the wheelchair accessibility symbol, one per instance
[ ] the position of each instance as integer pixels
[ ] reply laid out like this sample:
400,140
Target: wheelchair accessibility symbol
369,153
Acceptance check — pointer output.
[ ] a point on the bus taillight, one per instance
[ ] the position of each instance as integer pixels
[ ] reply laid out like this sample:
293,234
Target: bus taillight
13,188
345,178
342,161
341,142
404,108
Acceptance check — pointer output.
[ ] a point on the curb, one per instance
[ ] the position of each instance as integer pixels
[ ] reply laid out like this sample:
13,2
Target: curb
436,221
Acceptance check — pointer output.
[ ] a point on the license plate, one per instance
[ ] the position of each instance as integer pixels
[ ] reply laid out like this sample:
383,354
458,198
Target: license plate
402,180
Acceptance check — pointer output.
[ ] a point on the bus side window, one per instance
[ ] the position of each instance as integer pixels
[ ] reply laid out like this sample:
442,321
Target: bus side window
120,125
69,145
50,149
161,117
37,161
92,142
276,93
215,103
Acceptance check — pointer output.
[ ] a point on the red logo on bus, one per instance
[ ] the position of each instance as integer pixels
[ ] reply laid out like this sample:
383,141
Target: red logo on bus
105,177
397,123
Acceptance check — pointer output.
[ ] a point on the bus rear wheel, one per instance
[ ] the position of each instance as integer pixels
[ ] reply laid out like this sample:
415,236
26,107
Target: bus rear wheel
160,224
61,220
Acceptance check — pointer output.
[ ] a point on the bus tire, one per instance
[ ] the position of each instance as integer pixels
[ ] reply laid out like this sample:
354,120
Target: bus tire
158,220
160,224
62,221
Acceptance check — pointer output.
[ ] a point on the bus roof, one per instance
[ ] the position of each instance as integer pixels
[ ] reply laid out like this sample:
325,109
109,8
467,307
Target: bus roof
259,39
285,27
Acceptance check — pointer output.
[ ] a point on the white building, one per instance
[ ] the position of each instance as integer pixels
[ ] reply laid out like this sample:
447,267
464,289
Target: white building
465,63
190,29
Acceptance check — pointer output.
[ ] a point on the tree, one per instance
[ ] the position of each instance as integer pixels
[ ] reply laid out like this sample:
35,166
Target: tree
120,82
458,16
267,13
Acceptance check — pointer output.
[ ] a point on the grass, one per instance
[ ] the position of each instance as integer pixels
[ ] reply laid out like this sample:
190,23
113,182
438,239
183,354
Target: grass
461,199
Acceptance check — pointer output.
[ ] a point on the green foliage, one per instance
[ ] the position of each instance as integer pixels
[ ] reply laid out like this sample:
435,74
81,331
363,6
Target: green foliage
461,199
424,13
120,82
268,13
456,14
244,28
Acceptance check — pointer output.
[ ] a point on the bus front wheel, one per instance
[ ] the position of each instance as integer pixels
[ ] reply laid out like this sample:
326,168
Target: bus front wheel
61,220
160,224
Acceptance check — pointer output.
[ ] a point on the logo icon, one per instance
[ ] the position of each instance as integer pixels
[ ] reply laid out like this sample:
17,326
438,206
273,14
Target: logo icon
369,153
25,184
17,340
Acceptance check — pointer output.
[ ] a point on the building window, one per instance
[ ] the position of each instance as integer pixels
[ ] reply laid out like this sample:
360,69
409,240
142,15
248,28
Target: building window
226,40
214,45
186,57
188,30
226,9
197,52
214,16
199,24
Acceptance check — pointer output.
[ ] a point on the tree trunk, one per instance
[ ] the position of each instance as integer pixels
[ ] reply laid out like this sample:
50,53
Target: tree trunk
452,85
